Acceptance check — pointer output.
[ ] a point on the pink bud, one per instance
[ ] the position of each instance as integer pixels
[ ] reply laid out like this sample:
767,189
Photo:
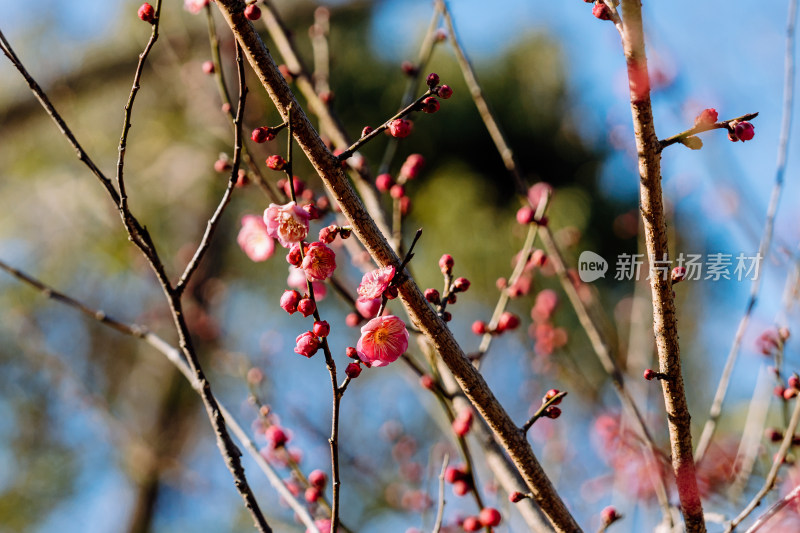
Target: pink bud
147,13
321,328
600,10
311,495
400,128
432,80
552,393
276,436
262,135
445,92
526,215
479,327
405,205
318,479
252,12
367,130
208,67
294,257
516,497
427,382
384,182
222,165
489,517
461,284
353,370
744,131
508,321
306,306
430,105
352,320
289,301
609,515
678,274
446,263
275,162
707,117
351,352
307,344
471,523
649,374
408,68
397,191
461,487
552,412
432,295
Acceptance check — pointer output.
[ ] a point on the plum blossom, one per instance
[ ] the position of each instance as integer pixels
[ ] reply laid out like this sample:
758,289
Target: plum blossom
287,223
375,282
383,340
319,262
254,240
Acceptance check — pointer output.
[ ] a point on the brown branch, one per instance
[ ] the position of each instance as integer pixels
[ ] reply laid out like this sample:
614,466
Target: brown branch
329,169
664,318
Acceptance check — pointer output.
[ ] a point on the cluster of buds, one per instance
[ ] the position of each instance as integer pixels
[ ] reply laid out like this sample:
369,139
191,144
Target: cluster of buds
791,390
292,301
552,398
317,480
353,369
328,233
263,134
488,517
460,478
452,288
508,321
772,340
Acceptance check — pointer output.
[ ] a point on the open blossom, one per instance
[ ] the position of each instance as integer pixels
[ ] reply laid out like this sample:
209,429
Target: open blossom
383,340
254,240
375,282
287,223
194,6
319,263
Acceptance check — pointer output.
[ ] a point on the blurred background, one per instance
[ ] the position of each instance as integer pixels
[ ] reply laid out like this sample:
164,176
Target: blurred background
98,433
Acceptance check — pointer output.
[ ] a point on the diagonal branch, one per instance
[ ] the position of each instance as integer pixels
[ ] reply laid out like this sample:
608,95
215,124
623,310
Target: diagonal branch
329,169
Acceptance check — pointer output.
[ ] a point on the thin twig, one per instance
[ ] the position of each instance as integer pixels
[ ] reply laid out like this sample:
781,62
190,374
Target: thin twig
773,509
266,186
425,51
700,128
778,461
540,412
319,44
437,525
766,237
214,221
480,102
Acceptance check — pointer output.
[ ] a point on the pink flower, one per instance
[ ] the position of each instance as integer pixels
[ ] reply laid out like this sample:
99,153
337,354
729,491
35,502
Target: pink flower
307,344
297,280
368,308
287,223
320,262
374,283
383,340
194,6
254,240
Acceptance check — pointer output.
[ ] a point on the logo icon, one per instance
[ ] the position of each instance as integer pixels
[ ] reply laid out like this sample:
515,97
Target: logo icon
591,267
